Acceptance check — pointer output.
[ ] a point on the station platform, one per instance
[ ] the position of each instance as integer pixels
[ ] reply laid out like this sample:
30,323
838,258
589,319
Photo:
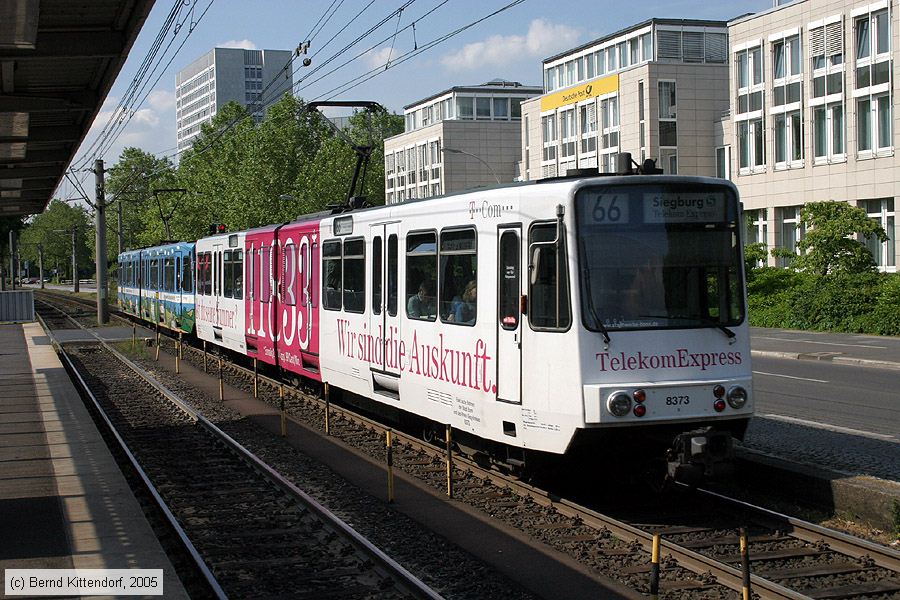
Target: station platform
64,503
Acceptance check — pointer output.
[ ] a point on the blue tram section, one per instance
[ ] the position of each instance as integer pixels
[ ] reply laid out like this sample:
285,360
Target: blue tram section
157,285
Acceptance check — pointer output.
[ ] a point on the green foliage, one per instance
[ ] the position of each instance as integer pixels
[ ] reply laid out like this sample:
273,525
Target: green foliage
52,230
290,164
830,245
754,255
131,182
853,303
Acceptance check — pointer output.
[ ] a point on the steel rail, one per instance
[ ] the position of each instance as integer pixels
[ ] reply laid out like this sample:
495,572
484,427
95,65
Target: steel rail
839,541
172,522
406,580
696,562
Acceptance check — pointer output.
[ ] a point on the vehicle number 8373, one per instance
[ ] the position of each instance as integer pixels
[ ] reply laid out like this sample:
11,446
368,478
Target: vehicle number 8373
677,400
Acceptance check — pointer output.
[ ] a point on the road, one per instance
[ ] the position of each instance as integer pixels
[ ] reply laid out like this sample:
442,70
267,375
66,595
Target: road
839,416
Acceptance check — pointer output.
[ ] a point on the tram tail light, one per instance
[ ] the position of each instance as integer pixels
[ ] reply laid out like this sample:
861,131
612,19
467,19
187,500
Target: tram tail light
719,405
639,396
640,410
719,391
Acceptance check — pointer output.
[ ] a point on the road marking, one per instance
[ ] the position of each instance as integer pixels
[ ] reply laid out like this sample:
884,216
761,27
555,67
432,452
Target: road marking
789,376
835,428
760,337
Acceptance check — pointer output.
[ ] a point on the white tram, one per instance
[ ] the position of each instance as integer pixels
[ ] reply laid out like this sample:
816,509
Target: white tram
548,317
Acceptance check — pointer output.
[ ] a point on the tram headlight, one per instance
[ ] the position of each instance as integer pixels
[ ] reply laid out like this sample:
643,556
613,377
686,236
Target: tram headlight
737,397
619,404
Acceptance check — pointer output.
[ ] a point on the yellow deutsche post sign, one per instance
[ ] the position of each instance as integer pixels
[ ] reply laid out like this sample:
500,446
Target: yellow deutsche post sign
585,91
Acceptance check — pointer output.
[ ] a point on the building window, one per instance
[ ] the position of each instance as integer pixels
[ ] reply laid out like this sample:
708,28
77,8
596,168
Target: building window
647,46
483,109
501,109
788,140
882,210
588,119
642,121
548,125
723,166
757,229
749,114
791,231
436,159
465,107
515,105
872,43
668,134
569,133
609,117
828,133
751,145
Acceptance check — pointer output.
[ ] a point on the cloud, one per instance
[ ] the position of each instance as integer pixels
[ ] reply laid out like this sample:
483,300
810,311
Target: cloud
245,44
543,39
161,100
378,58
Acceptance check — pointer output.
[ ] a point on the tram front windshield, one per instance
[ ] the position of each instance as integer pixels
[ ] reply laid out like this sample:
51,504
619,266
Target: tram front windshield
659,255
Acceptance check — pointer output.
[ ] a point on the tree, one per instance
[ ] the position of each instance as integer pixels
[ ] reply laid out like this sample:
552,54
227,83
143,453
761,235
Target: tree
52,230
131,181
830,245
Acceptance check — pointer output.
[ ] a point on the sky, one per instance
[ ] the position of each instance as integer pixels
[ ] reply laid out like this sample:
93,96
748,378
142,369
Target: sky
509,45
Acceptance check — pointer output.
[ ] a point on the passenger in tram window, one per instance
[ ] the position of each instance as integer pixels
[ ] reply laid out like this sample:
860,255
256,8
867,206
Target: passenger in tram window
462,310
421,304
239,287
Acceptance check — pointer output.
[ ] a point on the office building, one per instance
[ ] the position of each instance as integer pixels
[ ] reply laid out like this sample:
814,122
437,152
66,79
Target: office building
463,137
252,78
655,89
812,114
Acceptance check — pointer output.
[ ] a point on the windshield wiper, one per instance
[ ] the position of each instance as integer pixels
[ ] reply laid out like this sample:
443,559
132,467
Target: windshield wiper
706,320
590,298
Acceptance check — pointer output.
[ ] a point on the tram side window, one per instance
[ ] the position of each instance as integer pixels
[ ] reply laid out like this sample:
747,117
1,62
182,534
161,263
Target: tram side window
289,275
265,271
154,274
332,283
237,273
251,274
509,280
228,277
169,274
354,270
392,276
421,276
548,290
207,273
187,274
376,275
458,293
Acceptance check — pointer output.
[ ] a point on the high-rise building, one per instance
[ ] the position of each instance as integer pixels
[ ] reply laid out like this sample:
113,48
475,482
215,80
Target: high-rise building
654,89
252,78
460,138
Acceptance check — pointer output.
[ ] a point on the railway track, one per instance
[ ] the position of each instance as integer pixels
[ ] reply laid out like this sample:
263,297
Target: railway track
790,558
251,532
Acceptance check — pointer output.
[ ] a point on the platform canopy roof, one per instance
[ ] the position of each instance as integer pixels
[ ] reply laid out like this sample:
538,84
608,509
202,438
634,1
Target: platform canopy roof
58,60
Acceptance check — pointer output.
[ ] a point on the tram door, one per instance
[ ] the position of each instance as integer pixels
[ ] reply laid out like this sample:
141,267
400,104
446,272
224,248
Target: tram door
509,321
217,288
384,320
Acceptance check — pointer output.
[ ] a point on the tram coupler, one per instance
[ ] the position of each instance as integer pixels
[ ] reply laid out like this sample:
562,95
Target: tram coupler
699,455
